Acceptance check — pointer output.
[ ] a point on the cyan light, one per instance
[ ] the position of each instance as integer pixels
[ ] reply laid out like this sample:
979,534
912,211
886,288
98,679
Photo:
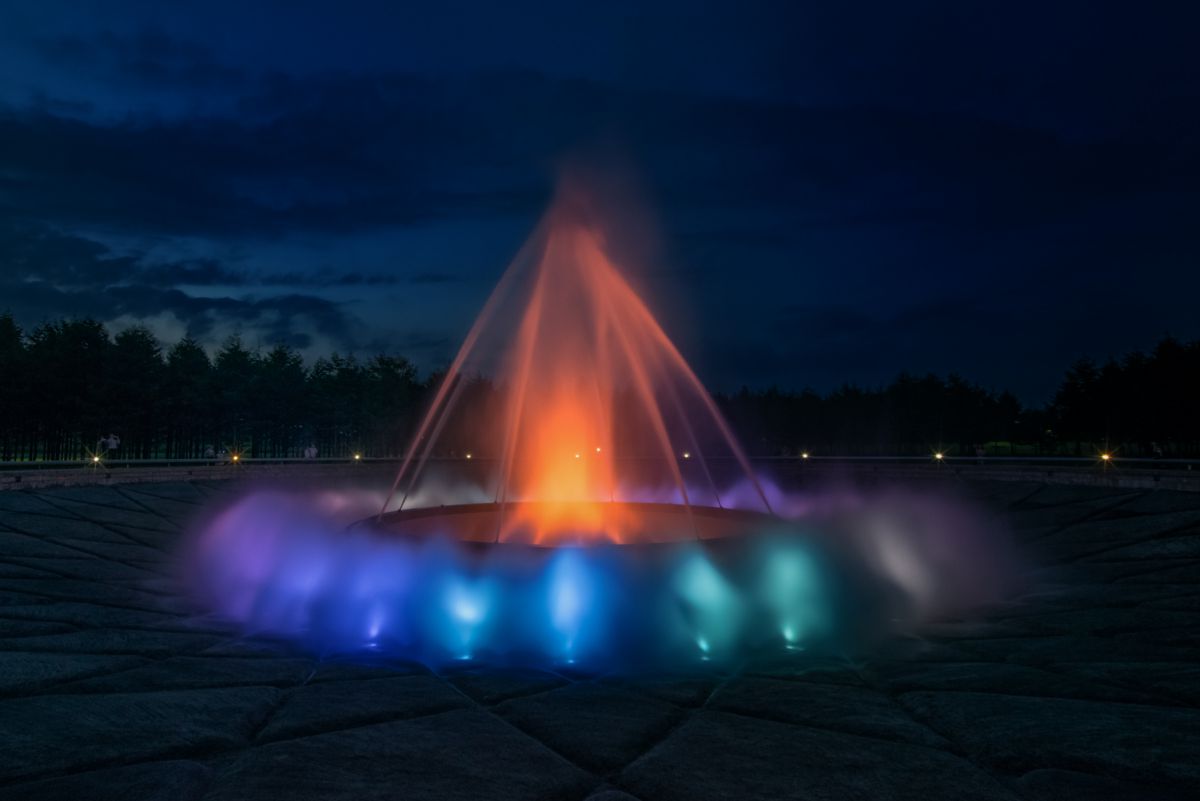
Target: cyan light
710,606
793,590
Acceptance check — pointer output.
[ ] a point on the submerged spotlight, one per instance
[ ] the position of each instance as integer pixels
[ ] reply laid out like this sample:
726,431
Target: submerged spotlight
1105,457
939,456
804,455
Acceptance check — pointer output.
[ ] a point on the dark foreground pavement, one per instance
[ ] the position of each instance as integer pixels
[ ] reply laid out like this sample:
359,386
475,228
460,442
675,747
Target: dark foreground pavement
1085,687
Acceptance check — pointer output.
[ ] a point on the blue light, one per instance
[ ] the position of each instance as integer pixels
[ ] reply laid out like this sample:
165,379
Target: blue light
467,605
376,624
569,591
578,604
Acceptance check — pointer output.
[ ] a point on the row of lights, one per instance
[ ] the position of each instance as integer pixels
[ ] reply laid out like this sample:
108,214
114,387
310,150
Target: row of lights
938,456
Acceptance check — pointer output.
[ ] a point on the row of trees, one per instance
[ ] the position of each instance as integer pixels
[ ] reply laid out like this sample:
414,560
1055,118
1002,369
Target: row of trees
1144,404
65,385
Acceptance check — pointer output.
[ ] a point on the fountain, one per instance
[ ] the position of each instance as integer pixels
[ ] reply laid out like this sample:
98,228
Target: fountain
596,410
573,495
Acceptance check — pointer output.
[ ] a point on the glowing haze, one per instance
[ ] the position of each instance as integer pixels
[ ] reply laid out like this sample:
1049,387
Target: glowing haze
593,403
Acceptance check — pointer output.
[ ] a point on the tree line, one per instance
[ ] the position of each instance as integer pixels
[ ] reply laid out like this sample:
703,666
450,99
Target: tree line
1144,404
64,385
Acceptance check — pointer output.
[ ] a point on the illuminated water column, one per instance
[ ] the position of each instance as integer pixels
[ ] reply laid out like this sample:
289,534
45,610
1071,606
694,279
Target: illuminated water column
791,589
709,607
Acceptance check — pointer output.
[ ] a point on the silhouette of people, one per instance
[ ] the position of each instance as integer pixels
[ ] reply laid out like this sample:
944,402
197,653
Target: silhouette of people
209,452
310,452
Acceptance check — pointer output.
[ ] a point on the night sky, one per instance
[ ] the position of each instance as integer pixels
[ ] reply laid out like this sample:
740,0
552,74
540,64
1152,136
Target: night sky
840,190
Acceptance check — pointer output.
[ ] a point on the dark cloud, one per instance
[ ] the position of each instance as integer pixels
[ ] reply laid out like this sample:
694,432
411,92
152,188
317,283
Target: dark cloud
863,157
149,57
364,152
435,278
327,278
46,275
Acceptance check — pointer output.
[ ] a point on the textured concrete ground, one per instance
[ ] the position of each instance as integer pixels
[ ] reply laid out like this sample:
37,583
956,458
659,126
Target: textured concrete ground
1085,687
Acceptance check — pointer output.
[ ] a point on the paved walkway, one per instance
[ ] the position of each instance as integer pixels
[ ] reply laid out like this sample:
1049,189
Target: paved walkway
1086,687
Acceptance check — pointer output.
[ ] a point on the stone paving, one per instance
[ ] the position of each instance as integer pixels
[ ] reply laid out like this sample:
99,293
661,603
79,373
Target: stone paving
1086,686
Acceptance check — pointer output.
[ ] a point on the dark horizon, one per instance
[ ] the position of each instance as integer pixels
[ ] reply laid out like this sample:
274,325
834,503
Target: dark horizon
837,194
176,402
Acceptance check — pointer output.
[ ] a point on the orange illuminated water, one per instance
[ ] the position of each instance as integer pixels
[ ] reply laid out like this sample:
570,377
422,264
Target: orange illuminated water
591,402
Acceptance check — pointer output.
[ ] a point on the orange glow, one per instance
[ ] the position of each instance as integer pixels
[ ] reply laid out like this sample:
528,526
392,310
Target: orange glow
585,367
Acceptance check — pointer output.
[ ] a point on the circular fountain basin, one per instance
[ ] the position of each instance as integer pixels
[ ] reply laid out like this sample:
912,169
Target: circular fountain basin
546,524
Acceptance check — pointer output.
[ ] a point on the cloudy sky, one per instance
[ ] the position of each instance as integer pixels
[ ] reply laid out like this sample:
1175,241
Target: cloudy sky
841,190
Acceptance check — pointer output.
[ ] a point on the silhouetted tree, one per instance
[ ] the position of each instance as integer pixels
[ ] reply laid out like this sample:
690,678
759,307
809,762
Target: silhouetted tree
188,393
134,384
13,386
66,384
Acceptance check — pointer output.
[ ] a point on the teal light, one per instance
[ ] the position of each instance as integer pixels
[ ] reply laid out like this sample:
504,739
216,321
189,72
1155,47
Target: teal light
710,606
794,593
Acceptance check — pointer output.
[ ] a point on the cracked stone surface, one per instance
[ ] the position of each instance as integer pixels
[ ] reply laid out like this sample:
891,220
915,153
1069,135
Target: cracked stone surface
1087,685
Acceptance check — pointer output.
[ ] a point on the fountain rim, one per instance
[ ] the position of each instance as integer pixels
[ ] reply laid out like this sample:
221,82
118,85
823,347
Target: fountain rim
386,523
